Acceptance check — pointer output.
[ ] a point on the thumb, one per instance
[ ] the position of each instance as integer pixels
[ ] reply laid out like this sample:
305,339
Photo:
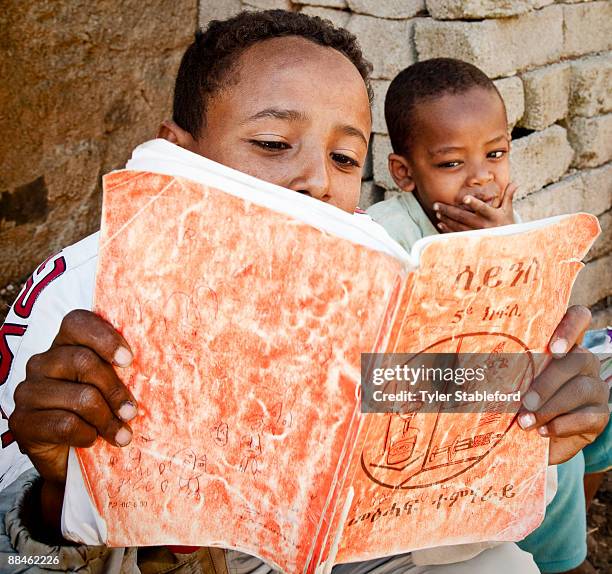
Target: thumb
509,195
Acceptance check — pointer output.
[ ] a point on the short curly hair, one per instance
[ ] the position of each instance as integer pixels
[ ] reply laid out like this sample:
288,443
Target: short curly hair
423,81
209,59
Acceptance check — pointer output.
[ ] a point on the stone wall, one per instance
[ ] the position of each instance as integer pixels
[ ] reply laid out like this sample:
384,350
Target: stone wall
551,62
82,84
87,82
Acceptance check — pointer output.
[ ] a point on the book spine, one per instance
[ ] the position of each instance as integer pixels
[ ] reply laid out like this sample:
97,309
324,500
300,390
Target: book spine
329,523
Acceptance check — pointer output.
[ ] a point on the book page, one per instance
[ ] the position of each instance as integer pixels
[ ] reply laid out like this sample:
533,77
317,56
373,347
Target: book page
442,473
246,327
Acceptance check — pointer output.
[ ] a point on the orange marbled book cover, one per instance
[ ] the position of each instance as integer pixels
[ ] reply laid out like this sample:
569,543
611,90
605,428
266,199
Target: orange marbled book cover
442,475
247,328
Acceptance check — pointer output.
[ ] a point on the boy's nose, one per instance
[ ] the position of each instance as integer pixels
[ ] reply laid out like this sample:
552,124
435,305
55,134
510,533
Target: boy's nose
480,178
312,177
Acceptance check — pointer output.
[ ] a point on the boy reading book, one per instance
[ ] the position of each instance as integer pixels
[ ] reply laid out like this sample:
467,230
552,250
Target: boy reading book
249,96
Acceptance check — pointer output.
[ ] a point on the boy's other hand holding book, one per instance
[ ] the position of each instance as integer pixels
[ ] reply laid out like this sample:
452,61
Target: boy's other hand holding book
568,402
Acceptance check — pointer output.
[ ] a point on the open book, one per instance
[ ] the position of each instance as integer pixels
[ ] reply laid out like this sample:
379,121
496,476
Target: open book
248,307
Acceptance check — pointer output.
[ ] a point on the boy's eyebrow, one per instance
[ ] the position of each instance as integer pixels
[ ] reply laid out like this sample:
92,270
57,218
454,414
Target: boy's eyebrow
297,116
450,149
445,149
279,114
498,138
349,130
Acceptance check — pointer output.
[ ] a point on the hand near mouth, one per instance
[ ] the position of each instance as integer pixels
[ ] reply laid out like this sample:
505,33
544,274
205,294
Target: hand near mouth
475,214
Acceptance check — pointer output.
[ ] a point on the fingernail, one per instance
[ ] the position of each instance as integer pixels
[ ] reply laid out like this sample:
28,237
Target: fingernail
532,400
122,357
123,436
526,420
543,430
127,411
439,215
436,206
466,199
440,226
558,347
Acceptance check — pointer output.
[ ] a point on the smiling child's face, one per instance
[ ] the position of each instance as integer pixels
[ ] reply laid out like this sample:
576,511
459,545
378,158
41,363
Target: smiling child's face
460,147
295,114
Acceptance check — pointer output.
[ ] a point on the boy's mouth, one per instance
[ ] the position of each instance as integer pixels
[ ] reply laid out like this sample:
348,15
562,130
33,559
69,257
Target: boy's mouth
490,195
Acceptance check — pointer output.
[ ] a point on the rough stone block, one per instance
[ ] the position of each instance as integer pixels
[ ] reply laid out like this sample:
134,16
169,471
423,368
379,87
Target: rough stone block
539,159
546,96
397,9
324,3
589,191
385,43
380,87
336,17
498,47
594,282
511,90
597,189
591,82
71,126
603,244
267,4
587,28
565,196
591,139
381,148
477,9
370,194
214,10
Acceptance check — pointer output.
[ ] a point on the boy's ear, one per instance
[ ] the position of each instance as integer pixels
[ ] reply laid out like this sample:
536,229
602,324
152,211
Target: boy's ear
170,131
401,172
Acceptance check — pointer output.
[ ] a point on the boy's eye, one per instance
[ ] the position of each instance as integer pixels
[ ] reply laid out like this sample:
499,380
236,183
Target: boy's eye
271,145
449,164
344,160
498,153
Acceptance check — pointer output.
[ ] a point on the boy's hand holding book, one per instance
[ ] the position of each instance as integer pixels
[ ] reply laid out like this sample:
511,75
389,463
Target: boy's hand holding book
72,395
568,401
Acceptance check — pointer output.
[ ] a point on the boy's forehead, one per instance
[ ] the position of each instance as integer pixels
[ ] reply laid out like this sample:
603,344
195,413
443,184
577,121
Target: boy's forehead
458,112
292,73
278,63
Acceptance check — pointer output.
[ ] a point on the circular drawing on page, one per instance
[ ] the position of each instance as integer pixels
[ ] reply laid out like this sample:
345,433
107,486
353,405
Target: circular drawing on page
448,428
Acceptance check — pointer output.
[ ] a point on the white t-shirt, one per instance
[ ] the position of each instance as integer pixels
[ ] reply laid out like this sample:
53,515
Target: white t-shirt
62,283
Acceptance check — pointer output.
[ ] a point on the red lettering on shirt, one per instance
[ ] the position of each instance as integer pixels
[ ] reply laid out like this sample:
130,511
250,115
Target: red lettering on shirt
6,355
6,360
25,302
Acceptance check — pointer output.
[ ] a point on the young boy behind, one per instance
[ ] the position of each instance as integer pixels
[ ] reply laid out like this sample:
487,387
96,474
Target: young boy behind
449,132
448,128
